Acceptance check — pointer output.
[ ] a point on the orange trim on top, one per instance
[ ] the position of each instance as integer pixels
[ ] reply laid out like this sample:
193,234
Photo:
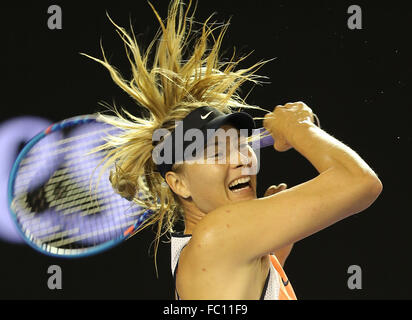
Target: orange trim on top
286,292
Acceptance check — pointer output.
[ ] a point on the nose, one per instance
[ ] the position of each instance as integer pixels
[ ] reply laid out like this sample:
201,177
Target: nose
243,157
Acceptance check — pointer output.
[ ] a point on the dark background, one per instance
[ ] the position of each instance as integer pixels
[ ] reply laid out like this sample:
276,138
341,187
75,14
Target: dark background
356,81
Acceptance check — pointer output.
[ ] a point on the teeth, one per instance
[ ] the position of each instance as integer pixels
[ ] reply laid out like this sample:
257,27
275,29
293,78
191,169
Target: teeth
240,180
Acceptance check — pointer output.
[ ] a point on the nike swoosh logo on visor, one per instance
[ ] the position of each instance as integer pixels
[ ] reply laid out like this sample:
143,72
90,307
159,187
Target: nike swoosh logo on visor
205,116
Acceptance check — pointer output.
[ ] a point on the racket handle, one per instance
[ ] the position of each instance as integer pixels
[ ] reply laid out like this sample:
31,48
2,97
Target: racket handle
265,141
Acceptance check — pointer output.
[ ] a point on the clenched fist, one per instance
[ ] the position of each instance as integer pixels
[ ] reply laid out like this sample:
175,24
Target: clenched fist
285,120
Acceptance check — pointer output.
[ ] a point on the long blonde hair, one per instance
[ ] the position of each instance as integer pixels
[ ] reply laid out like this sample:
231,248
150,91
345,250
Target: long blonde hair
177,81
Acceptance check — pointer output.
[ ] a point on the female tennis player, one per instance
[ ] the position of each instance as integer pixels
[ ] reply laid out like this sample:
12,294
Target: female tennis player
233,245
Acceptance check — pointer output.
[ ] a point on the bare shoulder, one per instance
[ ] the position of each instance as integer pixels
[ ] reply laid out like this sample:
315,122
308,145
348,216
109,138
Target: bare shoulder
194,268
200,257
206,249
202,273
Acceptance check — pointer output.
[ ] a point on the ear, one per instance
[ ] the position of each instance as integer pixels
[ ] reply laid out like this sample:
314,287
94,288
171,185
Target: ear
177,183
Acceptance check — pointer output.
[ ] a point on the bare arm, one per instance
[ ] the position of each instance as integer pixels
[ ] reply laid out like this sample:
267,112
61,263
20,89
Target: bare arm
282,253
243,231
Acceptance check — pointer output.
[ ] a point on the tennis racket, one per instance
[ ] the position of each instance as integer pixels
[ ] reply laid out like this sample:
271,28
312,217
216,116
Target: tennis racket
49,191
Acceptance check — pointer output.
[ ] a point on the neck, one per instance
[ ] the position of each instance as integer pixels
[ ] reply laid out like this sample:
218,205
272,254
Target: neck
192,216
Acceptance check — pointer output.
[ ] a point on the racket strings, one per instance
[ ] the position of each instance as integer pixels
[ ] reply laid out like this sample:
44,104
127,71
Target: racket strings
55,207
38,149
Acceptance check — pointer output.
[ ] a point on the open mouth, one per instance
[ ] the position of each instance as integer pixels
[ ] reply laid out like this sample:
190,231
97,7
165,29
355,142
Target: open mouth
240,184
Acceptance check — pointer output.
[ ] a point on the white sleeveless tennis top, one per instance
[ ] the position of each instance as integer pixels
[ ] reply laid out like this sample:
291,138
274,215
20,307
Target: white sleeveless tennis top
270,291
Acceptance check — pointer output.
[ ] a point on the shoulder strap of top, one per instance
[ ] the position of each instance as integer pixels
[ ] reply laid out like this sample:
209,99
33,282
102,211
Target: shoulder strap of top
178,242
286,289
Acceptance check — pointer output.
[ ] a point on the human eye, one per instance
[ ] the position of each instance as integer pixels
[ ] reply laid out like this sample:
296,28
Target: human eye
216,154
212,152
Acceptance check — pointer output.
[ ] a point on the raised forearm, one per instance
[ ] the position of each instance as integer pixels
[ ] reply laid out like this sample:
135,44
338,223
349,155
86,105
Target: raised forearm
326,152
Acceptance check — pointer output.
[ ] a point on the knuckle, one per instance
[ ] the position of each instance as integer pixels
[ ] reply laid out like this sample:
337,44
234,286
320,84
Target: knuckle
308,109
274,108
